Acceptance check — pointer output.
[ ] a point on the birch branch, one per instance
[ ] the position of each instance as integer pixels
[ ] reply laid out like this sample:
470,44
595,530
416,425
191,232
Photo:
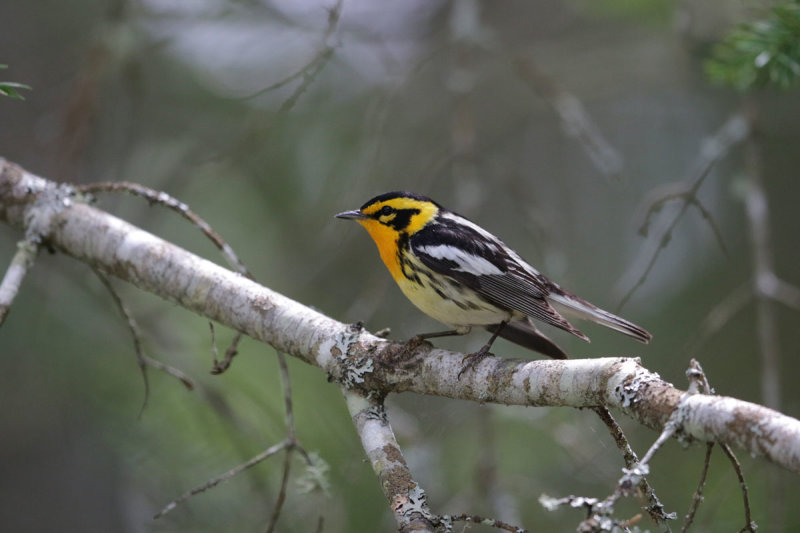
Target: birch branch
17,270
365,363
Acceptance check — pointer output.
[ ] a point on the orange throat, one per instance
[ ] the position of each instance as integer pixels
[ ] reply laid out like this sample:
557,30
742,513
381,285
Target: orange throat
385,239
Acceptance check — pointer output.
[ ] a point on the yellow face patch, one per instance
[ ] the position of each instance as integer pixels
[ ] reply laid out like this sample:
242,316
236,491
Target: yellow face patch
395,216
425,211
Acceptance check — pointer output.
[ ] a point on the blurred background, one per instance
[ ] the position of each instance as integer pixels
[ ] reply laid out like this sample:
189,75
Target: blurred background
562,127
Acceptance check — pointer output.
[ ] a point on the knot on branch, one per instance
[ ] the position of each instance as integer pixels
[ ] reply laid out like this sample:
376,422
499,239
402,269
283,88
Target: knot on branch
339,355
49,202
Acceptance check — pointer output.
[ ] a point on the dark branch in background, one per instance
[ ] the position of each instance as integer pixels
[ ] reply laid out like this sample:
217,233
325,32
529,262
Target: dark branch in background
749,524
310,70
291,437
732,132
688,193
173,204
654,506
697,497
698,383
475,519
142,360
290,444
272,450
163,199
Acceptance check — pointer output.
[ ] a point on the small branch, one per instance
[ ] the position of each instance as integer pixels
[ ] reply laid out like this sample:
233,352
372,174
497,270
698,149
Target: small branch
699,380
142,360
749,524
272,450
406,498
161,198
654,506
697,497
688,195
20,265
310,70
474,519
732,132
291,436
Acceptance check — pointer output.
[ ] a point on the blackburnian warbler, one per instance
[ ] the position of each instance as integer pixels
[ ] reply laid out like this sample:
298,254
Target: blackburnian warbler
463,276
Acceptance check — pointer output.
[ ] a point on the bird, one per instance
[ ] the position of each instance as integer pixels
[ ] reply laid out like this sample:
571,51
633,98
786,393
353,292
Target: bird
463,276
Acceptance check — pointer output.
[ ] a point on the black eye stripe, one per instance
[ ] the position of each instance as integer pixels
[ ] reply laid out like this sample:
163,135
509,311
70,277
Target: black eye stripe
401,219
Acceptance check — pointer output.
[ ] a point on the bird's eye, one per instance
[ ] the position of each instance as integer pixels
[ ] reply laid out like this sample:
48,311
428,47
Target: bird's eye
386,210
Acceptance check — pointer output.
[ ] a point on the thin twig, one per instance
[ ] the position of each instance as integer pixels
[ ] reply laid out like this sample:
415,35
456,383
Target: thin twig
698,493
272,450
142,360
161,198
737,467
230,352
20,265
276,512
654,506
291,437
698,380
491,522
134,330
686,193
732,132
311,69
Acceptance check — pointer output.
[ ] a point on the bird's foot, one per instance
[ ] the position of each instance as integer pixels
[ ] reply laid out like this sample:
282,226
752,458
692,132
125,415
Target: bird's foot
470,361
406,351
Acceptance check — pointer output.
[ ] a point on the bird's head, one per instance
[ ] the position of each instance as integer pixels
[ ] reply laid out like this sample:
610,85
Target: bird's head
386,216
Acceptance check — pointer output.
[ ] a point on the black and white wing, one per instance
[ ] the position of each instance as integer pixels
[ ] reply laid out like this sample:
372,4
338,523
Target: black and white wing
460,249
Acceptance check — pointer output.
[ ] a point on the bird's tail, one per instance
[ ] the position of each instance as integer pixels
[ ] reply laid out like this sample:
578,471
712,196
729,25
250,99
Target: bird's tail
570,305
525,333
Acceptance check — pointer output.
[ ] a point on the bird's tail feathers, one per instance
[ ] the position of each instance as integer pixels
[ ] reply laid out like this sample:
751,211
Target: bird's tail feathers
571,305
524,333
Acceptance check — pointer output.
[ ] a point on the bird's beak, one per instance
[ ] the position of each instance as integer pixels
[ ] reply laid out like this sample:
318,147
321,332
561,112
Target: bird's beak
352,215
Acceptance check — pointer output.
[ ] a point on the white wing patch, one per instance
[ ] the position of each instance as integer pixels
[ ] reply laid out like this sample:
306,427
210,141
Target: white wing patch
465,261
466,222
493,241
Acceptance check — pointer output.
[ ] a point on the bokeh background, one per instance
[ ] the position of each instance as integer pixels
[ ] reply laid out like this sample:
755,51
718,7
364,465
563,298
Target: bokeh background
555,124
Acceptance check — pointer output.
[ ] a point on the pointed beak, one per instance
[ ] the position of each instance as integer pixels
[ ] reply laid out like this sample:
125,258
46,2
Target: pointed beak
352,215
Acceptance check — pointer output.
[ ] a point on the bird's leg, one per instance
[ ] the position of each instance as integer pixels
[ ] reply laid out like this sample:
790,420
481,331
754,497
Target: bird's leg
414,342
449,333
470,360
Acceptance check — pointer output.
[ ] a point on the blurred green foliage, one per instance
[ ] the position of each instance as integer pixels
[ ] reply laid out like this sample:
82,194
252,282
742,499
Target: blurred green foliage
760,53
11,89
